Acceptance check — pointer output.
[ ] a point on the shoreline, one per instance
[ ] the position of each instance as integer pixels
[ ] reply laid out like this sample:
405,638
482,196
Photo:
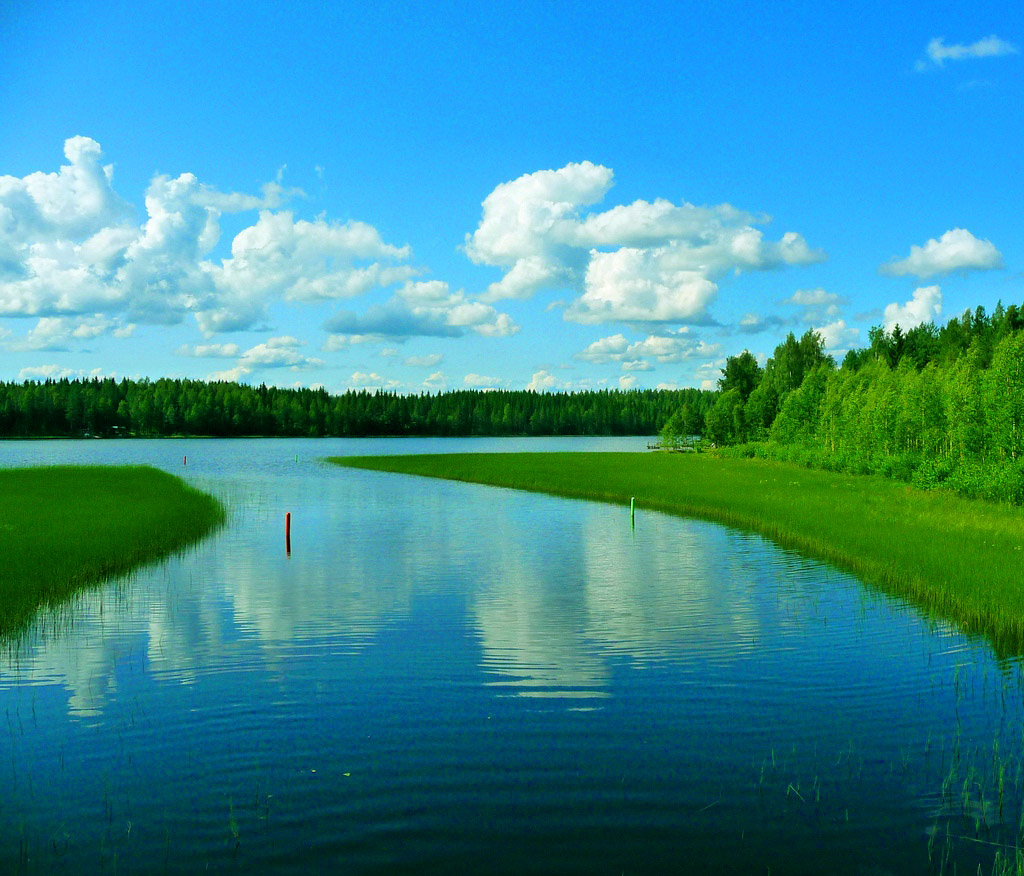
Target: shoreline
957,559
66,527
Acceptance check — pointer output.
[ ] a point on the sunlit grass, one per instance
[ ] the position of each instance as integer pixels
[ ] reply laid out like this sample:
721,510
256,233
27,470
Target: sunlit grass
63,527
961,559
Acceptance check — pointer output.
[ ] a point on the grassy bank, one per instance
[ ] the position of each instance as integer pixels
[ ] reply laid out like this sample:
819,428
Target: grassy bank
67,526
958,558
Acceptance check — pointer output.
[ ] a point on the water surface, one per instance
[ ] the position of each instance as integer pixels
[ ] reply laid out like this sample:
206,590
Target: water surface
448,677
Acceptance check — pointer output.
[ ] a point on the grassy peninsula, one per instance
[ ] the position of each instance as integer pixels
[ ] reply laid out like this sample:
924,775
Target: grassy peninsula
63,527
958,558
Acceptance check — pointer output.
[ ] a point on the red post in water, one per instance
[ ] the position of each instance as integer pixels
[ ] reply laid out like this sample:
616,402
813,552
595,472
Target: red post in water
288,532
184,460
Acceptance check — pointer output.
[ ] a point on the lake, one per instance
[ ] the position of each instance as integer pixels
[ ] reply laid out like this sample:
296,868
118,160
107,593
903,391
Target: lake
445,677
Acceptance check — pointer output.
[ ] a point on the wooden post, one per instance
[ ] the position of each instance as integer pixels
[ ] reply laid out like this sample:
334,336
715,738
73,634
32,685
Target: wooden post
288,533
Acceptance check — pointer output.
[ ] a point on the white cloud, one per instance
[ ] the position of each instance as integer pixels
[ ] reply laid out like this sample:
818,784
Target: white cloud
611,349
938,52
428,309
424,361
61,332
297,260
211,351
838,336
230,375
479,381
76,202
70,246
753,323
543,381
636,285
956,250
617,348
371,380
637,365
279,352
813,298
48,372
818,305
437,380
924,306
641,262
336,343
627,381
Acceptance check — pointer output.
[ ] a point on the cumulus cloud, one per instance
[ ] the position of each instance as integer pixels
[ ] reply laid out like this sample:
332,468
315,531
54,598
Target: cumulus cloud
838,336
61,333
280,352
754,323
437,380
636,285
210,351
543,381
617,348
924,306
427,309
424,361
296,260
627,381
70,246
230,375
371,380
937,52
480,381
57,372
336,343
817,305
956,250
649,261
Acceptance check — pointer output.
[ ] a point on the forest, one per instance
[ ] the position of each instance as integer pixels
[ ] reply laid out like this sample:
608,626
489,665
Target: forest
933,406
143,408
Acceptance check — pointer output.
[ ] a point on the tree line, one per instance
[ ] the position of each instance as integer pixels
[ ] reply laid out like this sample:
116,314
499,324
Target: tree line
144,408
934,406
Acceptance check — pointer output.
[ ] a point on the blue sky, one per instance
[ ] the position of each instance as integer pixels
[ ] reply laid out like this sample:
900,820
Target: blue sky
449,195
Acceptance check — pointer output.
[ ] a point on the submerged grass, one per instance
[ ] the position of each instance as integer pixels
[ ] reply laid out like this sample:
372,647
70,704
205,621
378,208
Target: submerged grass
960,559
63,527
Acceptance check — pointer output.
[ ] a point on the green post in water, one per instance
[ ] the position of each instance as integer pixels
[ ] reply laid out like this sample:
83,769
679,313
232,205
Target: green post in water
632,511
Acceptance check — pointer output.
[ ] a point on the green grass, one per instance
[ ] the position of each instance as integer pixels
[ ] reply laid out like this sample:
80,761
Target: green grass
960,559
64,527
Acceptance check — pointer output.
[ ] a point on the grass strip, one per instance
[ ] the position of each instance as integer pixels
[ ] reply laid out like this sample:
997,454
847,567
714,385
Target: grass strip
960,559
63,527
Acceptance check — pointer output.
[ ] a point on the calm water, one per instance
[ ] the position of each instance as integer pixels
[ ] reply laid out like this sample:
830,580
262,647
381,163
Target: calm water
450,678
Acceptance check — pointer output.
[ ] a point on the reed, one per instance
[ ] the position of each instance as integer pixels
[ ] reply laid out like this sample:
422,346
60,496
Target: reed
959,559
63,527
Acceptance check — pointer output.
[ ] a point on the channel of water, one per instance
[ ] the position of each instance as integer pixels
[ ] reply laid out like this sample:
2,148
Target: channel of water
445,677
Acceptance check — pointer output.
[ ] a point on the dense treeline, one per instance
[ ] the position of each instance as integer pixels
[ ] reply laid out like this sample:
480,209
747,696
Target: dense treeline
932,406
191,407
